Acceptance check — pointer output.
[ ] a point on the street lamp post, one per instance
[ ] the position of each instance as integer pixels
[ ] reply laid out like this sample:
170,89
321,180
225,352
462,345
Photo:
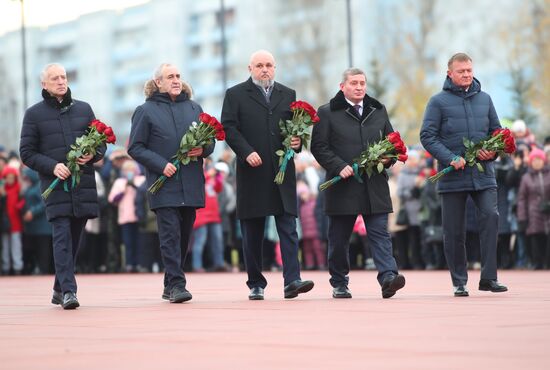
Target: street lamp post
24,53
223,45
350,43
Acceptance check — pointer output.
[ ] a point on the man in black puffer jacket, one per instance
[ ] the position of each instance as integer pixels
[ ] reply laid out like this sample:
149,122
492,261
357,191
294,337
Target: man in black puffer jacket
157,128
50,127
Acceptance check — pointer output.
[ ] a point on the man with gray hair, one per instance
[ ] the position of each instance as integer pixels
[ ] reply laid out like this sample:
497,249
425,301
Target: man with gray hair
349,123
50,127
157,128
251,114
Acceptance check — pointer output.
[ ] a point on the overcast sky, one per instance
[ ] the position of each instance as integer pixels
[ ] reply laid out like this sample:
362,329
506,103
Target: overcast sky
46,12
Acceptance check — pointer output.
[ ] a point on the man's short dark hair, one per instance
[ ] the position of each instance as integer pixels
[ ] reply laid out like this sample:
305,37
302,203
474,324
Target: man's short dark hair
458,57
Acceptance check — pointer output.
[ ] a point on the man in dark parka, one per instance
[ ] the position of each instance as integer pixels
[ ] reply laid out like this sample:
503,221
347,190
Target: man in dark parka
461,111
50,127
157,128
251,113
349,123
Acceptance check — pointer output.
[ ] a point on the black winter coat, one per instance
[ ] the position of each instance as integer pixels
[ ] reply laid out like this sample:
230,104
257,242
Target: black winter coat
49,129
252,125
337,140
157,128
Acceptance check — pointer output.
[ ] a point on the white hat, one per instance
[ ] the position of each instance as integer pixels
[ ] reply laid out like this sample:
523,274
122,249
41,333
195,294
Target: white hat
222,167
519,126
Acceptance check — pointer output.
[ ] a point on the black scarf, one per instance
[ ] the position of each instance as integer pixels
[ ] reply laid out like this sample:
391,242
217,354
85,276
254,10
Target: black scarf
53,102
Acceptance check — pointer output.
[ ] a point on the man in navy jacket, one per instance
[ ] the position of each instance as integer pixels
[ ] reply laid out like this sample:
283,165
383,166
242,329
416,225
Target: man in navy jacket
461,111
50,127
157,128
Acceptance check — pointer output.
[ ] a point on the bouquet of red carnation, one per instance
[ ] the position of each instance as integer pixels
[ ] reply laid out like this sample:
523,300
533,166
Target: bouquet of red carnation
98,134
500,141
198,135
303,116
370,160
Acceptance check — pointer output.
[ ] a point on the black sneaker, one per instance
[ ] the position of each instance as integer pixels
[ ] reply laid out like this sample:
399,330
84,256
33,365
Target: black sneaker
179,294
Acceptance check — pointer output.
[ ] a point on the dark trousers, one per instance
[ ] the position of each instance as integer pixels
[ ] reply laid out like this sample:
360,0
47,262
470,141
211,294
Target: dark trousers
66,235
130,237
339,232
454,232
175,225
253,235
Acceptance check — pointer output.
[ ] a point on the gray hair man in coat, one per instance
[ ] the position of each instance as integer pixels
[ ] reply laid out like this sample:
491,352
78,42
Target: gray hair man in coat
349,123
463,110
251,113
49,128
157,128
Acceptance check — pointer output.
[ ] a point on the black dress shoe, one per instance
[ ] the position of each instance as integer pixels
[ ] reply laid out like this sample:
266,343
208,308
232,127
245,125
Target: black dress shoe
297,287
69,301
57,297
492,286
341,292
392,284
256,294
179,294
166,293
461,291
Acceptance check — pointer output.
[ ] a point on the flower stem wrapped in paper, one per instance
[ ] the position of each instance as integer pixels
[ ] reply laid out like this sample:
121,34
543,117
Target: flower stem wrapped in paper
98,134
371,160
198,135
303,117
500,141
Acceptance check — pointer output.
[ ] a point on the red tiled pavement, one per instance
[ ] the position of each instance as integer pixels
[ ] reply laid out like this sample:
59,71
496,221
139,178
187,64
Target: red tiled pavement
123,324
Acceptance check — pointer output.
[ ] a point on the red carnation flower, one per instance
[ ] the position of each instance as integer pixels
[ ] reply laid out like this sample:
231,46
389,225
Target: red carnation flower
496,132
108,131
402,157
111,139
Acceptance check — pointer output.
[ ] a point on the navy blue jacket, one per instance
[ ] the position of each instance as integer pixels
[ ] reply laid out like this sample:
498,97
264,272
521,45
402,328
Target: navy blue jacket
454,114
49,129
157,128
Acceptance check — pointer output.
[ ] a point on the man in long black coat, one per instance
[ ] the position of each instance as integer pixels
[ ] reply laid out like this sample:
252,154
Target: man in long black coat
349,123
157,128
251,113
49,128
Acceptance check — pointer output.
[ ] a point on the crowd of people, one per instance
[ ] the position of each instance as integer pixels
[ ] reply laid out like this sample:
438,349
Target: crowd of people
124,237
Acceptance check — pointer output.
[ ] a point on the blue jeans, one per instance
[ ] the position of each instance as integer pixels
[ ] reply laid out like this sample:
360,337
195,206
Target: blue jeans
211,234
